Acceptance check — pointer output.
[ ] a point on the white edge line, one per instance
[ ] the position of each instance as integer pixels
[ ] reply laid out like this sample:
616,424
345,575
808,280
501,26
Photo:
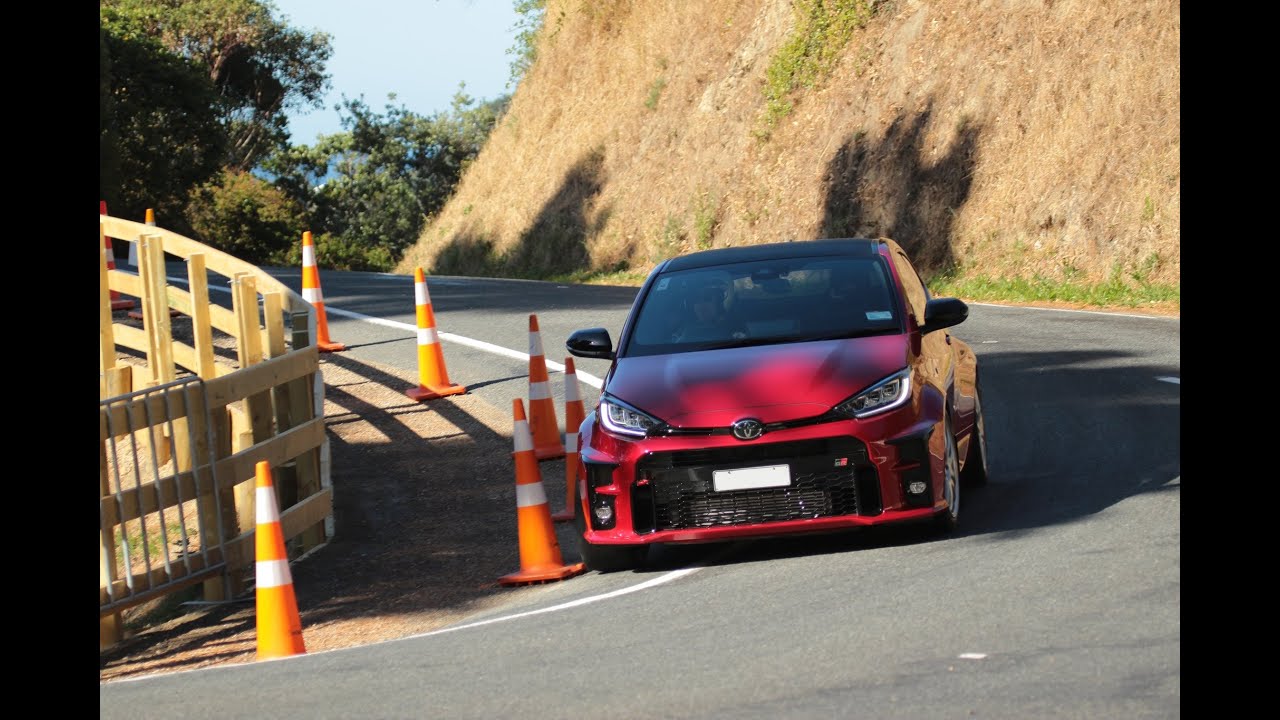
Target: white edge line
1174,380
585,377
673,575
661,579
1086,312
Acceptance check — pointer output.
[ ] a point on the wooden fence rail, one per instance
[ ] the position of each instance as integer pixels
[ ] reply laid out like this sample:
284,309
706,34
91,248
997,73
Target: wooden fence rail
190,402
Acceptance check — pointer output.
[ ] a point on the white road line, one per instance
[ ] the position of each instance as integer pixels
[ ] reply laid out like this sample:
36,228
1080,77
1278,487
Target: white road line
585,377
661,579
1173,380
673,575
973,656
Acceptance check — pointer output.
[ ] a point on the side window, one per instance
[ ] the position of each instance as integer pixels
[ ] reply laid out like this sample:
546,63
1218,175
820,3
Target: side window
917,294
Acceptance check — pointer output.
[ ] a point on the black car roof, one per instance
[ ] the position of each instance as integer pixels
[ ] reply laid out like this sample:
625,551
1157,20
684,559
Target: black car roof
771,251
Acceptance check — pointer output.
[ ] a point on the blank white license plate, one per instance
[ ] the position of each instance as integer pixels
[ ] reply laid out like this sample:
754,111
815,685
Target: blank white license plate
750,478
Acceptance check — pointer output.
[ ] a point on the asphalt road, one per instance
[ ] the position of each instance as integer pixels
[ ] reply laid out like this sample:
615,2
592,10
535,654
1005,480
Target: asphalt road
1058,598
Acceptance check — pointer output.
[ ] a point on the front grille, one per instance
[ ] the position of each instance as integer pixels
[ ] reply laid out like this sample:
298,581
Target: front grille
829,477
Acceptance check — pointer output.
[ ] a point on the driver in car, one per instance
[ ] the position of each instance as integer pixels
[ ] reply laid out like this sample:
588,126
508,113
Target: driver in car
710,321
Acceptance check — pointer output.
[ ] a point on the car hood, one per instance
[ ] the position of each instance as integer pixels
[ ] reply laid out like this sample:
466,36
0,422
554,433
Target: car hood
772,383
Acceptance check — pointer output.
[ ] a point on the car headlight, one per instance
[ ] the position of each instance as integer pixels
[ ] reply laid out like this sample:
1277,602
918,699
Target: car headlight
623,419
885,395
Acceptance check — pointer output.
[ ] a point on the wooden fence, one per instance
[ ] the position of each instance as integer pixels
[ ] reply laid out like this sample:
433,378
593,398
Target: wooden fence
190,402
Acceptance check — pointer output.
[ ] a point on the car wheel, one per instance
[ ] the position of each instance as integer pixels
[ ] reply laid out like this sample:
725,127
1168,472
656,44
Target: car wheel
975,466
605,558
949,518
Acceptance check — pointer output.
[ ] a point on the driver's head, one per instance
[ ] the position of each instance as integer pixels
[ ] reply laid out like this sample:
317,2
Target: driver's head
707,303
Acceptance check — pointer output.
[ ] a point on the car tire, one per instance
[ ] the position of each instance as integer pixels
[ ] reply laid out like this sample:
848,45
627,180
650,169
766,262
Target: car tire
605,558
949,519
975,472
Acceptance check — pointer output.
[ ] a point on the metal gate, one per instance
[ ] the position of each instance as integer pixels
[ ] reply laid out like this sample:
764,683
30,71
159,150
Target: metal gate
162,516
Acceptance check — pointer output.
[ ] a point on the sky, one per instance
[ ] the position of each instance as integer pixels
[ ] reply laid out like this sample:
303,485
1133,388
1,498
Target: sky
418,49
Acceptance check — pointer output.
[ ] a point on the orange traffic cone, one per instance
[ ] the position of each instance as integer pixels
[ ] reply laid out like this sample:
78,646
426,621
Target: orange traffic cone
542,408
311,293
540,559
433,378
279,627
574,413
117,301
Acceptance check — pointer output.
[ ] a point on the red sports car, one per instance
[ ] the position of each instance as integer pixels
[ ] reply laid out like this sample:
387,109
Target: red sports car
772,389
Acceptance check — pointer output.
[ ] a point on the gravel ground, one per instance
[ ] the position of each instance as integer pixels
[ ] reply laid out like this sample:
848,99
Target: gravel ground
424,525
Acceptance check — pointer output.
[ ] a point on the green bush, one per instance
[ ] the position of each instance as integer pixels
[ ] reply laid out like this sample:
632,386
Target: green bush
337,253
246,216
808,56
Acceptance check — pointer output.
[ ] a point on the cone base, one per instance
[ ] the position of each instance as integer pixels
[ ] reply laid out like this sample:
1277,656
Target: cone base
123,305
542,575
564,516
422,392
280,653
549,452
330,346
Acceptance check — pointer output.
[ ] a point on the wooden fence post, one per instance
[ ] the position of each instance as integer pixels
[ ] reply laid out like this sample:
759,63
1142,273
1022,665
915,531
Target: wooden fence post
211,428
244,295
155,322
302,409
286,474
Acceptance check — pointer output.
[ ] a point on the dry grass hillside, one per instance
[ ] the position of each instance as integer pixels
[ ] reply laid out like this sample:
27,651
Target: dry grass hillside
998,138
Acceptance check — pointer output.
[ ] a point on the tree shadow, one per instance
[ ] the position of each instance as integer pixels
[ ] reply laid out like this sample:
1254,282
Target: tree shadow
1069,435
888,188
424,522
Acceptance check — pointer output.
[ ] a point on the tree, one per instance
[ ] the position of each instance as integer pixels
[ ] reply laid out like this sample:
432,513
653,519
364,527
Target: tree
157,135
525,50
258,65
248,217
374,185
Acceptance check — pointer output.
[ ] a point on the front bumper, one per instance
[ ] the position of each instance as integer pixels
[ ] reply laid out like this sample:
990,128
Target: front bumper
844,474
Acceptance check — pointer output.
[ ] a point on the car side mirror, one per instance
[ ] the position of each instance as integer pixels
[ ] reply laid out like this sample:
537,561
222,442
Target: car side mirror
591,343
943,313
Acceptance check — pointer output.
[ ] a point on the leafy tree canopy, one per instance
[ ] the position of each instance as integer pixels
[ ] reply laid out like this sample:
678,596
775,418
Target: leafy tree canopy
157,136
375,184
259,66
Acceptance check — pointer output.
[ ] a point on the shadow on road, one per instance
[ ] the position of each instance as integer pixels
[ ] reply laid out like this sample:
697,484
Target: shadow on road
425,516
1070,434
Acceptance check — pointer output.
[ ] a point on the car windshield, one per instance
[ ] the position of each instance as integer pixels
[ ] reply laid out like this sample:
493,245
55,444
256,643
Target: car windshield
765,302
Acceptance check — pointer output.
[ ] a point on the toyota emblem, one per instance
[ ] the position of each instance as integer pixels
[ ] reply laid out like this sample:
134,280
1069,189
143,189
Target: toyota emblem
748,429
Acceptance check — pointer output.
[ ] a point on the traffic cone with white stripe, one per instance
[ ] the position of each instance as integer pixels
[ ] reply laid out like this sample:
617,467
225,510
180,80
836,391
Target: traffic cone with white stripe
311,293
574,413
117,301
542,407
433,378
540,559
279,626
